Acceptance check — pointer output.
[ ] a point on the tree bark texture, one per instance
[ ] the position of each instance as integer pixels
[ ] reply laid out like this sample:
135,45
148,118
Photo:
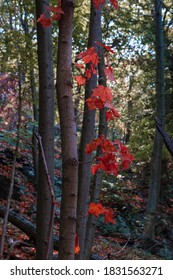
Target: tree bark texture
46,131
87,135
156,163
68,134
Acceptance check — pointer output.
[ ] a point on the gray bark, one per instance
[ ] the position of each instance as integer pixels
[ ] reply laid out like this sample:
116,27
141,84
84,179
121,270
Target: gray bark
68,134
46,131
87,136
156,164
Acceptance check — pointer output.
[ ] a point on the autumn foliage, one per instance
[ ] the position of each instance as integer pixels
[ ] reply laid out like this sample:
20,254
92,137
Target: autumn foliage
56,12
98,209
112,155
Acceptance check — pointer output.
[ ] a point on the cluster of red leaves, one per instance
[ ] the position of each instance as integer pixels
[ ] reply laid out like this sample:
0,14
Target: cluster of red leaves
101,97
57,12
90,57
97,3
98,209
56,15
111,154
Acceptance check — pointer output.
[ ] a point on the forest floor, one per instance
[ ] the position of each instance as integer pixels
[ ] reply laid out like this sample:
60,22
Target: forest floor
126,194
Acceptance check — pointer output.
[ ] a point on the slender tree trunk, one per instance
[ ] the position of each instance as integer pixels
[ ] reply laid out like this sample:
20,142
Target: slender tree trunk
68,134
46,131
97,182
156,164
87,136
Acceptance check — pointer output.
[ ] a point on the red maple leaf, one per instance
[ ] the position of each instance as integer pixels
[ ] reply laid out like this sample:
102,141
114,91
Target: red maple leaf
95,167
105,145
96,209
99,98
125,154
97,3
89,56
109,216
109,73
93,145
80,80
95,103
106,47
109,163
112,112
104,93
44,21
57,12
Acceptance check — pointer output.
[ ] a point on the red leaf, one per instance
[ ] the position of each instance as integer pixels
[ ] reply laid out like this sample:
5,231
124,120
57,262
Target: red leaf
57,12
112,112
88,73
109,73
109,163
93,145
80,80
104,93
109,216
126,156
89,56
96,209
106,47
94,103
97,3
44,21
96,167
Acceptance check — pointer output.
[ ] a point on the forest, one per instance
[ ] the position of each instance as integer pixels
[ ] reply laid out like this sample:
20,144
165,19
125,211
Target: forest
86,119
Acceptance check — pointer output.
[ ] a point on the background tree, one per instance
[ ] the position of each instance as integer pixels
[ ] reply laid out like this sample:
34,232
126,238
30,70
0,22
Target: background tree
46,132
156,165
87,135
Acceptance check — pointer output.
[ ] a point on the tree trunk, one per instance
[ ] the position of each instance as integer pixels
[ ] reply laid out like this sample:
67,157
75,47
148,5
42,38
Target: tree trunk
68,134
156,164
97,182
46,131
87,136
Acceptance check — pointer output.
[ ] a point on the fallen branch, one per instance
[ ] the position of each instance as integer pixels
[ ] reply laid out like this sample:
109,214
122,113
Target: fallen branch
25,225
30,229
